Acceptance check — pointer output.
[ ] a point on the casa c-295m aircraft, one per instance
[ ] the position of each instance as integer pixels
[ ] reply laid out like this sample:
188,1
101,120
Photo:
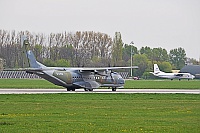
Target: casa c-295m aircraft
72,78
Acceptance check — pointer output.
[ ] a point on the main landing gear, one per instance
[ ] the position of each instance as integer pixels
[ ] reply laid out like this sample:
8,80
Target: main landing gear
114,88
88,89
71,89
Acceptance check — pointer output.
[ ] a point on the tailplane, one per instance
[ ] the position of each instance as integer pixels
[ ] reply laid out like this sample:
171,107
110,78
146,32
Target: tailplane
29,59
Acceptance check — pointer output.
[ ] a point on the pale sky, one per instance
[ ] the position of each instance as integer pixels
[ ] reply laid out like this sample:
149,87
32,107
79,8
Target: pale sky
155,23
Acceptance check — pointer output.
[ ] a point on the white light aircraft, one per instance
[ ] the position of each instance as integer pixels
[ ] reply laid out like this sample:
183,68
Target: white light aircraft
171,76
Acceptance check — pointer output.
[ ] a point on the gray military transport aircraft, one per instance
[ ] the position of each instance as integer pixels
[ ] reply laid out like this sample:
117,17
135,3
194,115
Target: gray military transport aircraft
72,78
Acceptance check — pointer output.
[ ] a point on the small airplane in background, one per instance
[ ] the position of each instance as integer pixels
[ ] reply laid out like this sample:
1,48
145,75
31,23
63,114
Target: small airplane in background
72,78
171,76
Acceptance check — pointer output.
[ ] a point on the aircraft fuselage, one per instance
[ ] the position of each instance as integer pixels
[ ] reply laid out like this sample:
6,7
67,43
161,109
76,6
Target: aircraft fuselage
74,79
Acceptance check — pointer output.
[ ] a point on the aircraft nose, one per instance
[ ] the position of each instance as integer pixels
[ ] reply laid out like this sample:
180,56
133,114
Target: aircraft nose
121,81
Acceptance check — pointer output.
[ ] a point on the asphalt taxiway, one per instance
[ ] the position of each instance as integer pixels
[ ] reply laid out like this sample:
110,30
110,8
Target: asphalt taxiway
46,91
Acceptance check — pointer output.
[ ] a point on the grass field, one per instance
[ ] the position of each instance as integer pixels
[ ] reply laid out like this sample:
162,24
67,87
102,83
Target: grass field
100,113
138,84
26,83
163,84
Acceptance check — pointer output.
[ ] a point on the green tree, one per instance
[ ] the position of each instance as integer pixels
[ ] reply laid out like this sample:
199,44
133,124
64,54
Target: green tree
155,54
1,64
159,54
141,61
38,52
165,66
177,57
147,51
117,49
193,61
62,63
49,63
126,52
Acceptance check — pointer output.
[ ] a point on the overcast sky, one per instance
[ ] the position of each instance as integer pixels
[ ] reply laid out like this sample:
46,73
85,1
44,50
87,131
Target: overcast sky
155,23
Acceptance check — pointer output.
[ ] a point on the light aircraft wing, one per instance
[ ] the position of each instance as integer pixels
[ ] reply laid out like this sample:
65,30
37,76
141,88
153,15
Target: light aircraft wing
180,75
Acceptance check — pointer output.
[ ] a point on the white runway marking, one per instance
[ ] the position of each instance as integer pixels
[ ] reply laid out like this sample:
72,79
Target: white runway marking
45,91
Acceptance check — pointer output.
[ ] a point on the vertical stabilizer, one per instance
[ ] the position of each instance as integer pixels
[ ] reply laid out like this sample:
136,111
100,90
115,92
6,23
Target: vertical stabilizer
29,59
25,45
156,68
32,61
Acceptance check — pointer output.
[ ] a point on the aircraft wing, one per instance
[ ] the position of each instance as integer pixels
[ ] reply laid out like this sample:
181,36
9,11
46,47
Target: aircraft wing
81,69
179,75
105,68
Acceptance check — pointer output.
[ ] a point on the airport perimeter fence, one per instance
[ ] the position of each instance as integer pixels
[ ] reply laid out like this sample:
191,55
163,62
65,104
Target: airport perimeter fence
17,74
24,75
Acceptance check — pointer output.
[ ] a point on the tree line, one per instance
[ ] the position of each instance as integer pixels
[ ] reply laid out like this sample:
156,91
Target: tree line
87,49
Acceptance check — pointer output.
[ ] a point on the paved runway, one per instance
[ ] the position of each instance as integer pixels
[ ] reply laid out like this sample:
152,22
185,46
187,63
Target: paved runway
45,91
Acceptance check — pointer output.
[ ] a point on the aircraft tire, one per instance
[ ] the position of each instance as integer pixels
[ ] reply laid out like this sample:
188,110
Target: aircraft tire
114,89
90,89
71,89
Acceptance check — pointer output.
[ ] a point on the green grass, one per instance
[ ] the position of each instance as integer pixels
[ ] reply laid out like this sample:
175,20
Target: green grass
138,84
26,83
100,113
163,84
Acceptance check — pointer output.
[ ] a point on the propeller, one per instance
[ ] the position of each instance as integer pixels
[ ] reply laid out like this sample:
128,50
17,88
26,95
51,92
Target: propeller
107,74
111,76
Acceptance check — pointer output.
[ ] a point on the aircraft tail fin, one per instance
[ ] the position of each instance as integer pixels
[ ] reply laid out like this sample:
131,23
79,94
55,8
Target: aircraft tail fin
156,68
25,47
29,59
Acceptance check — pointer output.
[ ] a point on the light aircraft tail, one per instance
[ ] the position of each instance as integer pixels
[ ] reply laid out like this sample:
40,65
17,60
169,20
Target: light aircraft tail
29,59
156,68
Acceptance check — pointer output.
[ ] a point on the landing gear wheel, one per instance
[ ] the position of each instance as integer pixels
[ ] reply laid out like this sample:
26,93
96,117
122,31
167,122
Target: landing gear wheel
71,89
90,89
114,89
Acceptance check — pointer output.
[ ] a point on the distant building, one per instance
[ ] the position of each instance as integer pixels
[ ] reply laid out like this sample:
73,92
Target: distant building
193,69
